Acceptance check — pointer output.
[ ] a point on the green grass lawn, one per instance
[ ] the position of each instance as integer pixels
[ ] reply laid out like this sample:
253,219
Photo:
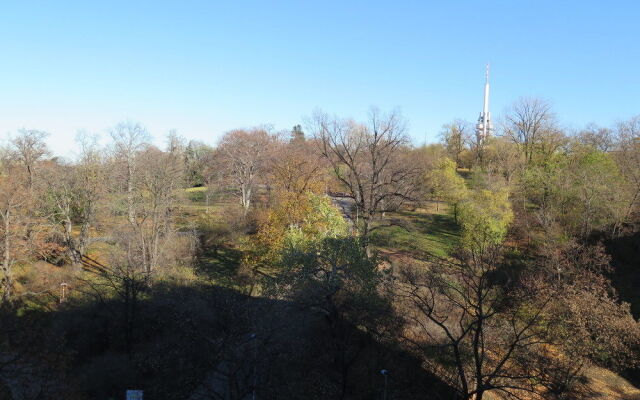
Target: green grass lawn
220,265
420,234
192,206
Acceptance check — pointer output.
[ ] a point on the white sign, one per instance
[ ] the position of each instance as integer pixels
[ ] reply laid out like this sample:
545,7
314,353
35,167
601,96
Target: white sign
134,395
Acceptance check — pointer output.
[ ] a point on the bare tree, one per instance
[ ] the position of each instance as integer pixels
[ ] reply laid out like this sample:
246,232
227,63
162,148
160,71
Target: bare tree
628,158
455,137
598,137
123,278
91,173
242,155
13,199
176,144
29,147
159,179
60,205
197,156
502,157
481,337
365,159
596,324
296,168
531,124
151,178
128,139
70,197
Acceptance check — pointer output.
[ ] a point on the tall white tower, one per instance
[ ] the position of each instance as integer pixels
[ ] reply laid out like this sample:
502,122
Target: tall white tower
484,127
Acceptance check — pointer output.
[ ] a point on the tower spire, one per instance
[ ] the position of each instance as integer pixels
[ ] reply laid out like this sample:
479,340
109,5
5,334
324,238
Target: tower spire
484,126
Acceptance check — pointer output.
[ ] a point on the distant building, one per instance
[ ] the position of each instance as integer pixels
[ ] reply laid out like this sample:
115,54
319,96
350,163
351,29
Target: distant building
484,127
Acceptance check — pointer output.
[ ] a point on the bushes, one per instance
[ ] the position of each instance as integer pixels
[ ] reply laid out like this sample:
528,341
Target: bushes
197,194
485,218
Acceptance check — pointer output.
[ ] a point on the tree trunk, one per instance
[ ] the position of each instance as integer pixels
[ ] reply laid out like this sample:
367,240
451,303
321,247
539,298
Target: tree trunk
246,199
155,247
455,212
29,176
145,251
84,235
7,282
73,252
130,206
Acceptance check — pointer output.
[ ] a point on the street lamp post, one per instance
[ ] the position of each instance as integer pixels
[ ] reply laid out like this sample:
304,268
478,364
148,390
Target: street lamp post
385,373
253,337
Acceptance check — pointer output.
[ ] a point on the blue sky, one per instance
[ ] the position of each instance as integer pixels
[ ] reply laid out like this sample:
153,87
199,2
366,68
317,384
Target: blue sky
204,67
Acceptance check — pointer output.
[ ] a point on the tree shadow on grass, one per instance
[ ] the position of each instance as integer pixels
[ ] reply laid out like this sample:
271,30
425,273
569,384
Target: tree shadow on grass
418,234
180,336
626,274
220,264
439,226
625,277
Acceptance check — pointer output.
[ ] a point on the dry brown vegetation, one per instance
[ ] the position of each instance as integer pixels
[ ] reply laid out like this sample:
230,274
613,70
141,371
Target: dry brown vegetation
292,265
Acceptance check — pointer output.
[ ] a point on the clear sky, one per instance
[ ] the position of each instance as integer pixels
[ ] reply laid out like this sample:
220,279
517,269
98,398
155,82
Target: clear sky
204,67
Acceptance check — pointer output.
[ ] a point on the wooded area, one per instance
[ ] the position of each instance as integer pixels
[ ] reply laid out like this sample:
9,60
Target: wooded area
301,264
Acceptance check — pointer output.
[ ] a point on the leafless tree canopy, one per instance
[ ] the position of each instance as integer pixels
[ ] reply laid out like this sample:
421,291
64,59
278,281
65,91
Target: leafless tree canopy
128,139
456,136
295,167
242,157
628,156
496,289
531,124
365,158
29,147
457,313
598,137
13,203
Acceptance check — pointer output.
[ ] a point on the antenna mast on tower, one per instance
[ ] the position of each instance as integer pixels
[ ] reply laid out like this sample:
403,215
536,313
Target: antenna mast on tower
484,127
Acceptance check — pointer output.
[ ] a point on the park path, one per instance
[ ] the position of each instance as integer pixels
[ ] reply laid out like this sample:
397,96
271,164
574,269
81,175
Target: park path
345,205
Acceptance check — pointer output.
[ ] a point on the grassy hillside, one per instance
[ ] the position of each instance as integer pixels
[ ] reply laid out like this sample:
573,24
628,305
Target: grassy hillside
421,233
